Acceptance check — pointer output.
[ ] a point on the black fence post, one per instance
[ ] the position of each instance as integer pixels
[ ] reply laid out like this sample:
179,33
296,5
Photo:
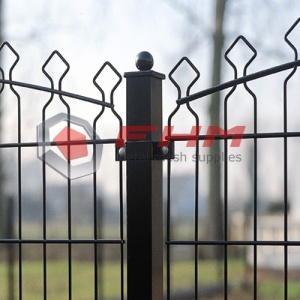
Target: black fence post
144,182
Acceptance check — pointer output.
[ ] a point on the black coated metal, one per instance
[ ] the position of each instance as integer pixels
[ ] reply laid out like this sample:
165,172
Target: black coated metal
283,135
237,81
144,61
54,91
144,189
285,157
20,145
144,178
196,176
145,150
120,179
226,168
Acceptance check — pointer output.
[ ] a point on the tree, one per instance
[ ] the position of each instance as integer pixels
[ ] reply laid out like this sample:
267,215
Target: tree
214,214
215,211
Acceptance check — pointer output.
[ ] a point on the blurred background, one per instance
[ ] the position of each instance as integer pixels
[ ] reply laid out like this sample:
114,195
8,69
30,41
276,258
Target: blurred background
89,33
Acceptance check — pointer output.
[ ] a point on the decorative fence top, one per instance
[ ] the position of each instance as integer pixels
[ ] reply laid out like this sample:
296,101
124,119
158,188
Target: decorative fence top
144,177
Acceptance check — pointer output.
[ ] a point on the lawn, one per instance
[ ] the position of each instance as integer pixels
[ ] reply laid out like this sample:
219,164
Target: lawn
182,278
239,281
57,280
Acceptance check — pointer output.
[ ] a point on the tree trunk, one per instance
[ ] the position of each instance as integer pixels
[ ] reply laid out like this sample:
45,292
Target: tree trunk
215,210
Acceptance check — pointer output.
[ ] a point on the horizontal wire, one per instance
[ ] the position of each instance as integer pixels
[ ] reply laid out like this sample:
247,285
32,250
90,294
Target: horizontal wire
60,143
233,243
58,92
176,137
263,135
238,81
61,241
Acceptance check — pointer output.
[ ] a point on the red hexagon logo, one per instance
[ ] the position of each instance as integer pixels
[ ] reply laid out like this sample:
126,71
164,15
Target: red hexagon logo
72,143
71,152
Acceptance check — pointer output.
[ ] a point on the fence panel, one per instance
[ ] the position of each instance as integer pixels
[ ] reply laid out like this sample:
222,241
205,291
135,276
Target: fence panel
61,238
256,249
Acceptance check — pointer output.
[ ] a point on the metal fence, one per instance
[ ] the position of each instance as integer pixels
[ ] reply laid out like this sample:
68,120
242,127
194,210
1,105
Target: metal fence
15,241
142,144
253,239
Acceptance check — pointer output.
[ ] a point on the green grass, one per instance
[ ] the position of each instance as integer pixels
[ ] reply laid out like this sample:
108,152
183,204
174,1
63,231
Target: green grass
274,289
209,271
182,277
57,280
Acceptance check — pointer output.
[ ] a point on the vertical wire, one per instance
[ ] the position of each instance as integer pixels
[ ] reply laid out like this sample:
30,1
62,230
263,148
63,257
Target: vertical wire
44,184
226,162
121,227
169,167
44,168
44,205
96,252
254,175
226,200
225,262
121,215
255,199
196,189
226,194
285,187
168,234
196,199
285,160
120,180
19,184
225,209
20,190
254,161
168,270
69,191
44,219
19,138
20,198
196,214
69,213
69,187
97,278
